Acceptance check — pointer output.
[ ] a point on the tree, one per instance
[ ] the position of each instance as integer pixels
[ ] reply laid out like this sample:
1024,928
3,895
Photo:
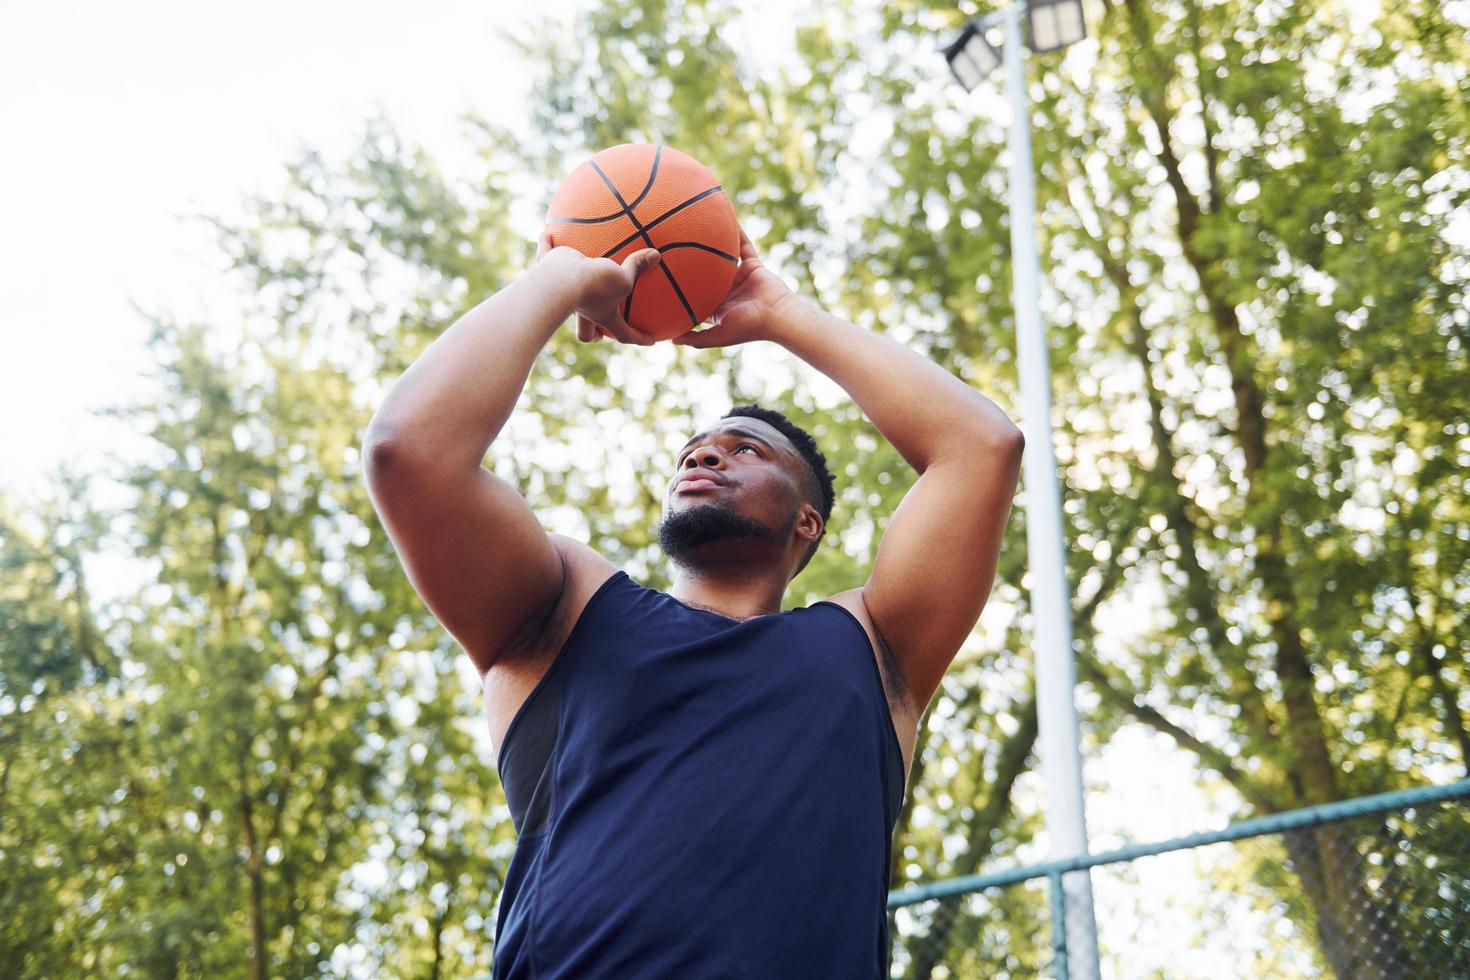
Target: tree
269,759
1268,265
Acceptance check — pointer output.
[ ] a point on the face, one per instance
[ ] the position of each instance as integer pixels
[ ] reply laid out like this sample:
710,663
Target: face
746,502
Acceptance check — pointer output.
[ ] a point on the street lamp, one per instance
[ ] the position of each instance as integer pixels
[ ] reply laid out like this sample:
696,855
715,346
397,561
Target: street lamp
1054,24
970,56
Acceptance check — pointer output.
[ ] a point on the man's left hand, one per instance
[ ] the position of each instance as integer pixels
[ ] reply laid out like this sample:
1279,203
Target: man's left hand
749,310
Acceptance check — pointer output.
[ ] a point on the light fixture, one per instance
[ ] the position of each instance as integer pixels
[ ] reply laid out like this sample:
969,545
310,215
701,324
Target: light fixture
1054,24
970,56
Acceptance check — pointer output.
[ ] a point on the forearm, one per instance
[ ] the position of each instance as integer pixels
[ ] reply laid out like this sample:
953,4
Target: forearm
918,406
455,398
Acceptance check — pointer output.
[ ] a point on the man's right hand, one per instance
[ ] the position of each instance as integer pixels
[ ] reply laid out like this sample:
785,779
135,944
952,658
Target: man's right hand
602,286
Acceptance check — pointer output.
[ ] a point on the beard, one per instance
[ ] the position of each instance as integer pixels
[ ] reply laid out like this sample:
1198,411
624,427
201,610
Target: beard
682,534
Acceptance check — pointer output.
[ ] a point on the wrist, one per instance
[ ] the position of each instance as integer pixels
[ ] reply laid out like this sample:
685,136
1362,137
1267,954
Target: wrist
781,322
562,271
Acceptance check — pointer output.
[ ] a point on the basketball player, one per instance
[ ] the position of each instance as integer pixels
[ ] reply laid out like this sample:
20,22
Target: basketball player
703,786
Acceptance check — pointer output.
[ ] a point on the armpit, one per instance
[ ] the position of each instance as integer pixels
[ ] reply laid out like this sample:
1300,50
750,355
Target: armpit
893,686
539,627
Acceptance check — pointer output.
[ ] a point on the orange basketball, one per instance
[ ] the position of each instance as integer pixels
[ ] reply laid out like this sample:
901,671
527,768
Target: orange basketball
637,196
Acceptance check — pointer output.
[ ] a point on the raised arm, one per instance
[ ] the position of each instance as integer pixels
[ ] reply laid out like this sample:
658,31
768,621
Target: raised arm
471,545
936,562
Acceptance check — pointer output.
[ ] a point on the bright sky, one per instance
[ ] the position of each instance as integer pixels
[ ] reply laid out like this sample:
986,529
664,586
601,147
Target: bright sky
119,118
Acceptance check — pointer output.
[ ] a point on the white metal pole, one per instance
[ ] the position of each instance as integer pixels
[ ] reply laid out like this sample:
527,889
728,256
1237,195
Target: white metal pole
1051,606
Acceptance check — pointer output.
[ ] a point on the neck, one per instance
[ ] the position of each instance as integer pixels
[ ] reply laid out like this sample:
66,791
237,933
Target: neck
737,594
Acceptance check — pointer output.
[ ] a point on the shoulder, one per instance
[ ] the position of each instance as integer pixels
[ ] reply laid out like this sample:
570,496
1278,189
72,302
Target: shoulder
900,696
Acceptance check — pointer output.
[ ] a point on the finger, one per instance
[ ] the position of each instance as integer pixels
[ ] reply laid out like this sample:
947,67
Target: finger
618,329
699,338
742,273
595,331
543,243
628,334
747,248
585,330
641,261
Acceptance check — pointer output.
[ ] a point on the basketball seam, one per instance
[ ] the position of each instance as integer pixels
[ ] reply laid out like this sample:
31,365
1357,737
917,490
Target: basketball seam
699,245
583,221
628,306
628,303
666,249
663,217
652,176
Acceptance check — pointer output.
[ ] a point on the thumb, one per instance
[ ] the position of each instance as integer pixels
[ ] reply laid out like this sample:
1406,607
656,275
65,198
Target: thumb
708,337
641,261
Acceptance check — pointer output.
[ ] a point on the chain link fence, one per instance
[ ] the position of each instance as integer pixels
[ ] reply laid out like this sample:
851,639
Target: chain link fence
1377,887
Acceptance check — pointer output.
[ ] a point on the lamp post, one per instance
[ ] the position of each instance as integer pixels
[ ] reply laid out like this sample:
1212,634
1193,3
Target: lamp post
1053,24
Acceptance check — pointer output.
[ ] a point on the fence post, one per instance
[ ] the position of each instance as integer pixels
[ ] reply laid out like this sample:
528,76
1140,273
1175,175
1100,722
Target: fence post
1058,924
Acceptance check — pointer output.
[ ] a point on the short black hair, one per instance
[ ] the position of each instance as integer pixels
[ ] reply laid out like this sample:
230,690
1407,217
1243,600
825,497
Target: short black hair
819,486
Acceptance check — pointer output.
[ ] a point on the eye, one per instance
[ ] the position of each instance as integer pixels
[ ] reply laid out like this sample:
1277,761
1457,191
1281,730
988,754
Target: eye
743,445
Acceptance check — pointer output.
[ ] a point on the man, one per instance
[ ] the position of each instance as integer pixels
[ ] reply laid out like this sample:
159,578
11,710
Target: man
703,785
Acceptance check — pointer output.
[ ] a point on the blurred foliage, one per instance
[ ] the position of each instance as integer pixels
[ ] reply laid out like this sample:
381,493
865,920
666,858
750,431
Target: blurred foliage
1161,915
269,760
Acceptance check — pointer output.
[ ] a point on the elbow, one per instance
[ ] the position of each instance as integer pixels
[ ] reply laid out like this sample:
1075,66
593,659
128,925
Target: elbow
376,434
381,449
389,435
987,444
1006,438
389,453
376,452
1012,448
1008,445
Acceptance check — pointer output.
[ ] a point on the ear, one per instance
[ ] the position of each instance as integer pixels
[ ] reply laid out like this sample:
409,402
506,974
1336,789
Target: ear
809,523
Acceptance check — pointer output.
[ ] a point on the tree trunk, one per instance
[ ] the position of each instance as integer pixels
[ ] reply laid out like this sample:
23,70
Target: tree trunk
253,871
1425,640
1330,873
437,966
1357,935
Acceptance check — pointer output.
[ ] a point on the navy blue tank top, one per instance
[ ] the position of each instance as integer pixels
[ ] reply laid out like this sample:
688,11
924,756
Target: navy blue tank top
699,796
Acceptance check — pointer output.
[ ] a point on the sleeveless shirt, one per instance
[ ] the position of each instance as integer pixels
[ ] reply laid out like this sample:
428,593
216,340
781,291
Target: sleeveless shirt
699,796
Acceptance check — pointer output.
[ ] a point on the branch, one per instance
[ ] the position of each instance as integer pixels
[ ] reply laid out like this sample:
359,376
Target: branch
253,866
1212,160
1202,592
1425,639
1093,671
1153,96
1010,763
1180,507
293,753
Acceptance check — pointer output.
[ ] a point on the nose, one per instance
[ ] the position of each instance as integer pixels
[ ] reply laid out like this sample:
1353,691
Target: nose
708,456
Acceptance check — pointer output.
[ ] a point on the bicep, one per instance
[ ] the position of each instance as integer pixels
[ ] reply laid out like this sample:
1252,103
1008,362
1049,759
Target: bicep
472,548
936,562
